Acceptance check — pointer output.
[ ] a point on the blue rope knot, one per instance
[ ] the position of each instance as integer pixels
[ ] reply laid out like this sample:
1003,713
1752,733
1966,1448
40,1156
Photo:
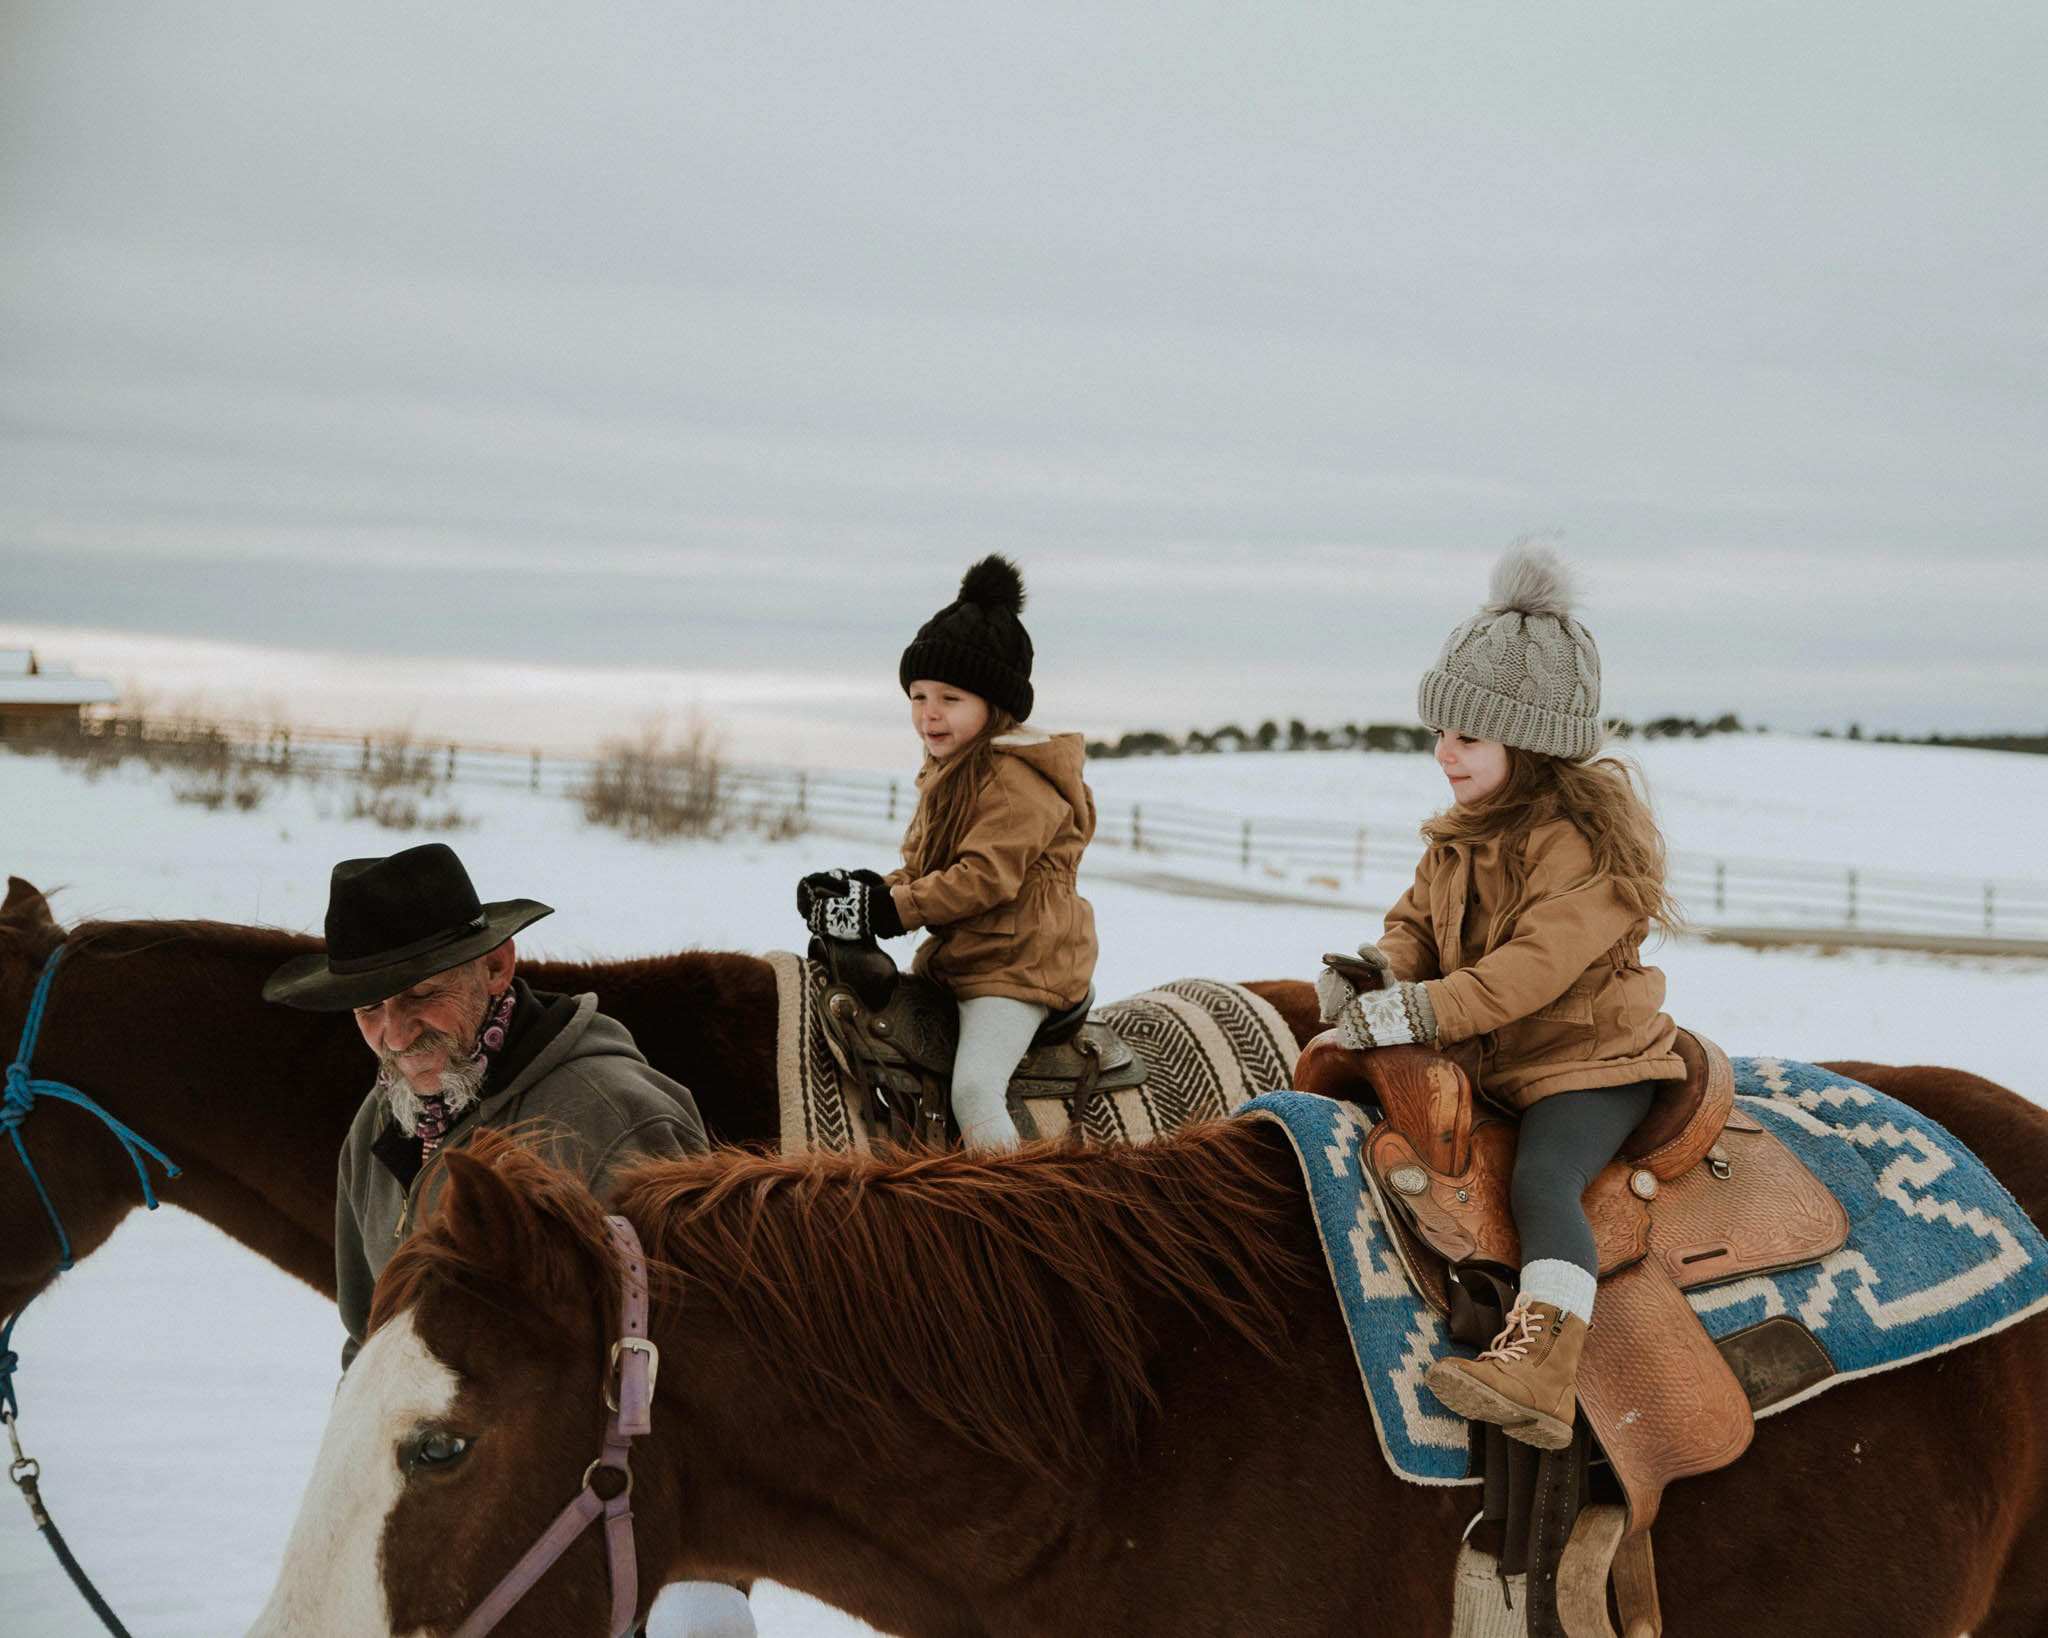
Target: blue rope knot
20,1097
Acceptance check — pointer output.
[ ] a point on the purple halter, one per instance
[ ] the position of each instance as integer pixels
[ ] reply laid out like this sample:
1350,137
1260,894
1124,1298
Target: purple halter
636,1360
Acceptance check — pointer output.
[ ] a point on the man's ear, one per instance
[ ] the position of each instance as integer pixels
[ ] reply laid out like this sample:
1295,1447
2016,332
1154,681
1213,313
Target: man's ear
498,966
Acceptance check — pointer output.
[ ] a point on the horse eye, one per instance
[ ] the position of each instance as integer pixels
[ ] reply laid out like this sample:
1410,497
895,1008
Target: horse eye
434,1448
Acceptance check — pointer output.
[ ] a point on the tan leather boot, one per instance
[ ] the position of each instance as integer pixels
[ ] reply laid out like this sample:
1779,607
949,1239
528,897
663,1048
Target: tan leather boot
1524,1381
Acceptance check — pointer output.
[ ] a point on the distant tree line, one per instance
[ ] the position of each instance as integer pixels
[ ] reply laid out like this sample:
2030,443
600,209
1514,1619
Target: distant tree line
1297,735
2032,744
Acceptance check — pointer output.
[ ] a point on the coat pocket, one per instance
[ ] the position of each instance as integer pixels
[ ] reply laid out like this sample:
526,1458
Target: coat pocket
1001,922
1575,1006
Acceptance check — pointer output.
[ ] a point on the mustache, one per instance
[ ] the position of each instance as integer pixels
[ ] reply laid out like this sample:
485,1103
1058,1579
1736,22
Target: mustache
439,1040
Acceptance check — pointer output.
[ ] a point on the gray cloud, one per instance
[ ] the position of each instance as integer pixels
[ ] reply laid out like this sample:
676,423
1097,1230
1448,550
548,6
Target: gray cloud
1255,332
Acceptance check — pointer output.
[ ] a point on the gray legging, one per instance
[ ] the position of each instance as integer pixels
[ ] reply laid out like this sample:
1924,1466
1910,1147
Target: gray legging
1566,1139
994,1031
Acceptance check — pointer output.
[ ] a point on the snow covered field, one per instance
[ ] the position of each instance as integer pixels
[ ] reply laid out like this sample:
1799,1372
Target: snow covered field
174,1387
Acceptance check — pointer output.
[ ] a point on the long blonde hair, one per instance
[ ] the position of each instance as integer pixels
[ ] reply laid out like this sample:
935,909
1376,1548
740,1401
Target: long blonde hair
947,791
1601,798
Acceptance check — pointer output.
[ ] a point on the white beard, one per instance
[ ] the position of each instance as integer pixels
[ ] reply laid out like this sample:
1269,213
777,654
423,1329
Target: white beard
458,1086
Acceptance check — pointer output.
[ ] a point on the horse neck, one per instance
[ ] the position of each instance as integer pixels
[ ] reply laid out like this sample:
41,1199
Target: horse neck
704,1018
164,1025
920,1539
773,1454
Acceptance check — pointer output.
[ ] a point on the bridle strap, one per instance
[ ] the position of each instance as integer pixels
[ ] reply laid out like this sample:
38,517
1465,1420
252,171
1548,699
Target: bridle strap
631,1414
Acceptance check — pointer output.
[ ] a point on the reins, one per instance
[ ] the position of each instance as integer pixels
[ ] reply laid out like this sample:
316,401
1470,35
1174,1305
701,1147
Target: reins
631,1414
15,1107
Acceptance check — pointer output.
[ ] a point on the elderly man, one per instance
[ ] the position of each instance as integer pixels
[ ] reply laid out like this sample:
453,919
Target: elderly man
462,1044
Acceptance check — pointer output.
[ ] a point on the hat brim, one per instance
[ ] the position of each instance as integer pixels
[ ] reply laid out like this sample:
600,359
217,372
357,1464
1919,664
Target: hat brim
306,982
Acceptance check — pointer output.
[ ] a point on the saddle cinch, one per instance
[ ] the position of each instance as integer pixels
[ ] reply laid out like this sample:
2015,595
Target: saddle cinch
1699,1194
894,1034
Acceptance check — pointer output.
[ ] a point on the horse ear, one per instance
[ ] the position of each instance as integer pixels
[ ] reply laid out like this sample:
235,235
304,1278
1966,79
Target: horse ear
488,1209
27,908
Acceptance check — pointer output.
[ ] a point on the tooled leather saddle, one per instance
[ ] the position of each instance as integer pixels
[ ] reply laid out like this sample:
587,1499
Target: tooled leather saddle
893,1035
1699,1194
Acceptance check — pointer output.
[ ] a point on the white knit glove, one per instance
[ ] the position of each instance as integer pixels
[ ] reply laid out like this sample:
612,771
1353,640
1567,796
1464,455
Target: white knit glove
1398,1016
1343,976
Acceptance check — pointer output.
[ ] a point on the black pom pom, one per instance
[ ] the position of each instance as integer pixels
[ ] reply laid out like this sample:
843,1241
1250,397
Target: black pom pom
994,582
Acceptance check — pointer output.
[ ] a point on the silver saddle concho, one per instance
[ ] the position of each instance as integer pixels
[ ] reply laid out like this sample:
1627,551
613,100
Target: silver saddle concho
893,1035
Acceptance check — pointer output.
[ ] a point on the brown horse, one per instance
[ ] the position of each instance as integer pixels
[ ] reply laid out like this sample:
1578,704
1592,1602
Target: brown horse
1067,1391
162,1022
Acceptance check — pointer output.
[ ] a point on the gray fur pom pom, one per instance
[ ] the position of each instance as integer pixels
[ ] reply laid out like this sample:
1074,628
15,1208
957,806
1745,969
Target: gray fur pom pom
1530,578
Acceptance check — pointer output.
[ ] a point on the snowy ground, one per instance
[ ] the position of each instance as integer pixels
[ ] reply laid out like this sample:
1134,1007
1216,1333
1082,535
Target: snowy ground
175,1386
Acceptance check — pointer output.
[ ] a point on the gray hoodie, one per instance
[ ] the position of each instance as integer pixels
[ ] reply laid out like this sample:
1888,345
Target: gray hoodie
599,1106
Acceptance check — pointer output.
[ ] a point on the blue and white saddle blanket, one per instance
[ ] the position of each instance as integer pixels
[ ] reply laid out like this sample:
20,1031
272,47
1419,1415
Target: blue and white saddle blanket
1939,1254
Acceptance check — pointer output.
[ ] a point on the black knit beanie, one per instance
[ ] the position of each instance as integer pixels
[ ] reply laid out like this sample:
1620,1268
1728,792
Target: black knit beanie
977,642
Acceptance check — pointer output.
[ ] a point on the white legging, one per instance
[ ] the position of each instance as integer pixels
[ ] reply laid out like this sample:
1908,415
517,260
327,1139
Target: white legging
700,1609
994,1031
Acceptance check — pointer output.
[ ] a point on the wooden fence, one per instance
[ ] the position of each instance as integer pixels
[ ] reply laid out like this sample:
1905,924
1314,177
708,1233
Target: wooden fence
1314,854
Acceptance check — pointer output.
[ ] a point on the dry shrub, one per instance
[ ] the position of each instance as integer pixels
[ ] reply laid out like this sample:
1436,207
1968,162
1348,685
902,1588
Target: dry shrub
208,767
656,787
394,785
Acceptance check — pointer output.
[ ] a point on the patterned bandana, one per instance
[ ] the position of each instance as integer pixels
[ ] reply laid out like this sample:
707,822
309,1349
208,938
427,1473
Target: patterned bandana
427,1116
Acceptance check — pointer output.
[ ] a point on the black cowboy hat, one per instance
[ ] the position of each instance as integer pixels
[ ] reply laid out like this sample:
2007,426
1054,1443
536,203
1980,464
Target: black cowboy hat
392,922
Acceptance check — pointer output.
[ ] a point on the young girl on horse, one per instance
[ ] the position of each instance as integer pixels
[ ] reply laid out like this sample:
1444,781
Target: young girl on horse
1517,947
990,856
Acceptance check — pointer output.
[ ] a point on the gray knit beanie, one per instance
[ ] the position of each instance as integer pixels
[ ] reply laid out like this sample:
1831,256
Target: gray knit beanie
1521,671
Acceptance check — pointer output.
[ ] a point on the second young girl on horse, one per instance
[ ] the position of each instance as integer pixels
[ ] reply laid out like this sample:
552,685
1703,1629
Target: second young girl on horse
990,857
1518,949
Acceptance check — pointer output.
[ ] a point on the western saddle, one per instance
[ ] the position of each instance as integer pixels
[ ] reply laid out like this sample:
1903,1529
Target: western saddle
1700,1193
894,1034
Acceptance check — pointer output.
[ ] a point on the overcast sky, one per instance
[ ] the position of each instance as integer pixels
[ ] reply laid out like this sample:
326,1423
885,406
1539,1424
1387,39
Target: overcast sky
723,338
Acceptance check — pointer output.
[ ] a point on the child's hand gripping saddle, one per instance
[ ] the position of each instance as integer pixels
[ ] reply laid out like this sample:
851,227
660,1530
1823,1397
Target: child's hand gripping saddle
894,1036
1699,1194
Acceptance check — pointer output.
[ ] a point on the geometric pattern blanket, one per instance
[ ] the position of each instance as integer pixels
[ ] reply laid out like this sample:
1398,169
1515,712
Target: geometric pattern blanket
1939,1253
1207,1047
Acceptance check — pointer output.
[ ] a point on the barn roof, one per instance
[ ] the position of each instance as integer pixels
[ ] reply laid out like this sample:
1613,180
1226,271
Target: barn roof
24,682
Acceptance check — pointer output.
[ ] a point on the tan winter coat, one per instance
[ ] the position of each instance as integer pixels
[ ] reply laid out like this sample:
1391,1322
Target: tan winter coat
1547,992
1005,916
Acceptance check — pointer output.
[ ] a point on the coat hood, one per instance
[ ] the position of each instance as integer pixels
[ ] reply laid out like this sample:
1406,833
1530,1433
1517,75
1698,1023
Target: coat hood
1059,760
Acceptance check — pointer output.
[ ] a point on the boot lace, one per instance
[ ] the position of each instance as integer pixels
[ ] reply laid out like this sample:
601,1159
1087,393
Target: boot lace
1524,1326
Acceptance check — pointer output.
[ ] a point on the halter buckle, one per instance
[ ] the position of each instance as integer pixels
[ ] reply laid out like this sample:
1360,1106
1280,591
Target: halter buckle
638,1345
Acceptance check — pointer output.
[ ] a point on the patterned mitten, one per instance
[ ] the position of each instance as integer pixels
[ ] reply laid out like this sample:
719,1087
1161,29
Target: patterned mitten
854,907
1397,1016
1343,976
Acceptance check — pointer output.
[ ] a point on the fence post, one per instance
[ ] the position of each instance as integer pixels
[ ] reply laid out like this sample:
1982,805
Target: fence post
803,790
1987,907
1137,830
366,753
533,773
1358,859
1244,847
1720,887
450,774
892,802
1851,922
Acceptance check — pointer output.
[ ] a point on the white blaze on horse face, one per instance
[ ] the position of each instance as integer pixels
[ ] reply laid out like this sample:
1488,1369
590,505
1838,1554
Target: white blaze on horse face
331,1584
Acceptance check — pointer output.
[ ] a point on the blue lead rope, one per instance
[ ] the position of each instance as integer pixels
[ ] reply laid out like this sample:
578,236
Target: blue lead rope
15,1106
20,1099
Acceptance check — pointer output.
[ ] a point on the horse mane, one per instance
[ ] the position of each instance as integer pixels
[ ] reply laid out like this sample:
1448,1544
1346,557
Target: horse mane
988,1294
511,1230
118,938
